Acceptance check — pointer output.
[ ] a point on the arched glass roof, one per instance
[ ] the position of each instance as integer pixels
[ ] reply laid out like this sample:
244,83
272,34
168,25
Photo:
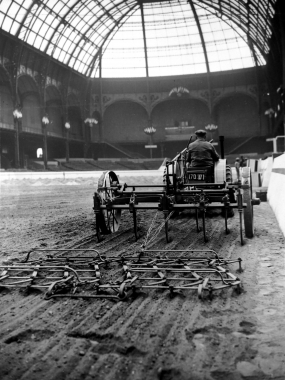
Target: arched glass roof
137,38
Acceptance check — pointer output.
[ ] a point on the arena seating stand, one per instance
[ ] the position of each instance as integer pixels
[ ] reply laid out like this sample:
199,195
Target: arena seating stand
133,150
254,147
153,164
107,164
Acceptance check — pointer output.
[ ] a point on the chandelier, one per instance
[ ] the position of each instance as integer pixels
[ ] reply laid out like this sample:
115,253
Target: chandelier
17,113
149,130
45,120
211,127
90,121
179,91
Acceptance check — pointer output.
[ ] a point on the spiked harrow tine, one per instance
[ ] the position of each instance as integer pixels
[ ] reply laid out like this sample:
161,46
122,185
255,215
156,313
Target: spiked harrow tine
198,229
166,227
135,224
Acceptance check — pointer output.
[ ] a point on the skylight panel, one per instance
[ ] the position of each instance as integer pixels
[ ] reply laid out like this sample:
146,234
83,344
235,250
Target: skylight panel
80,27
1,18
7,24
31,38
13,10
38,42
76,65
62,56
5,5
14,28
59,7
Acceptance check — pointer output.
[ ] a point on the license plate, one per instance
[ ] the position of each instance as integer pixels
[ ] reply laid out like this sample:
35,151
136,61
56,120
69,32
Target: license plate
196,177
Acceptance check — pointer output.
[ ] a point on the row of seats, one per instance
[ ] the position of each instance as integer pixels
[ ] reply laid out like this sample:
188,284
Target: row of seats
99,165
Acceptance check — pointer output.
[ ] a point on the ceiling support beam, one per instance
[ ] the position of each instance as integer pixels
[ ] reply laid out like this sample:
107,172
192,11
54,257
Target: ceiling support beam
56,29
24,19
258,83
101,125
146,67
281,13
144,41
205,54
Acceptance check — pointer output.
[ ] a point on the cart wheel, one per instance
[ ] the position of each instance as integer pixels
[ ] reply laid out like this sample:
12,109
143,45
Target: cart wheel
247,197
109,220
178,170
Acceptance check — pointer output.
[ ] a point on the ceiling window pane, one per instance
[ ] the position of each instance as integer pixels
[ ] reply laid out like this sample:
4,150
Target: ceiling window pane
1,19
43,29
14,27
7,24
13,10
38,42
5,5
56,53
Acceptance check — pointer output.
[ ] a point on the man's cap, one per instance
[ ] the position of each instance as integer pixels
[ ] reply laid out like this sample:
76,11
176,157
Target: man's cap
237,159
200,132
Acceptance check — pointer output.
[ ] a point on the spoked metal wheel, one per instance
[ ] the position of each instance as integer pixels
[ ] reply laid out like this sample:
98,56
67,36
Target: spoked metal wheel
177,168
247,198
110,219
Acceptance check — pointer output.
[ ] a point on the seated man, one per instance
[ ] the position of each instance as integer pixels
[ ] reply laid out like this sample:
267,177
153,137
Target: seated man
201,152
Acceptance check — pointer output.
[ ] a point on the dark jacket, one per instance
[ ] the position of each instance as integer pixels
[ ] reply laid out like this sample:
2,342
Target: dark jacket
202,153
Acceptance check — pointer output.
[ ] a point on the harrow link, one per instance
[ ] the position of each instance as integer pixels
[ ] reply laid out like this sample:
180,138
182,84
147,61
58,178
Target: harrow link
203,271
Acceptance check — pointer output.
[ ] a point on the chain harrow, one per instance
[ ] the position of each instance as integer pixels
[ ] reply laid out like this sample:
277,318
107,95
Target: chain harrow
119,278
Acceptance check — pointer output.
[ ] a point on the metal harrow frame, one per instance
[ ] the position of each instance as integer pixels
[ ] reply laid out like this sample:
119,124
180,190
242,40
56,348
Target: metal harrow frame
176,194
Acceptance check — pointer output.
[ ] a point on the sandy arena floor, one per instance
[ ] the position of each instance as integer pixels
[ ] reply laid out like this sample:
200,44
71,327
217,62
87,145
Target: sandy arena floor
153,336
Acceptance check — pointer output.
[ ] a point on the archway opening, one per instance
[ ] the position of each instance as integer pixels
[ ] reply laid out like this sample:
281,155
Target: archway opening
40,153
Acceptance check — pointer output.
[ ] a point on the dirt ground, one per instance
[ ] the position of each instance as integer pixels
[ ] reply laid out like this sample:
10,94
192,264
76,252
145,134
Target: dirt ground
155,335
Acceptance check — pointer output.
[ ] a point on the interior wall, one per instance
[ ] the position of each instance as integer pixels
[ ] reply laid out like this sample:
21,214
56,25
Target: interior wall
171,112
95,129
55,118
6,107
237,116
124,122
31,121
74,116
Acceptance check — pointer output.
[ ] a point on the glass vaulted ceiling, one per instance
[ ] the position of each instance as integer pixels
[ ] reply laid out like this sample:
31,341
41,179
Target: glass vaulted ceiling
181,37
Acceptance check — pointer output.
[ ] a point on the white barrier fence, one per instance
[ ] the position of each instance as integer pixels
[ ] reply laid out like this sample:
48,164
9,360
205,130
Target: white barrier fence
276,190
261,171
74,174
